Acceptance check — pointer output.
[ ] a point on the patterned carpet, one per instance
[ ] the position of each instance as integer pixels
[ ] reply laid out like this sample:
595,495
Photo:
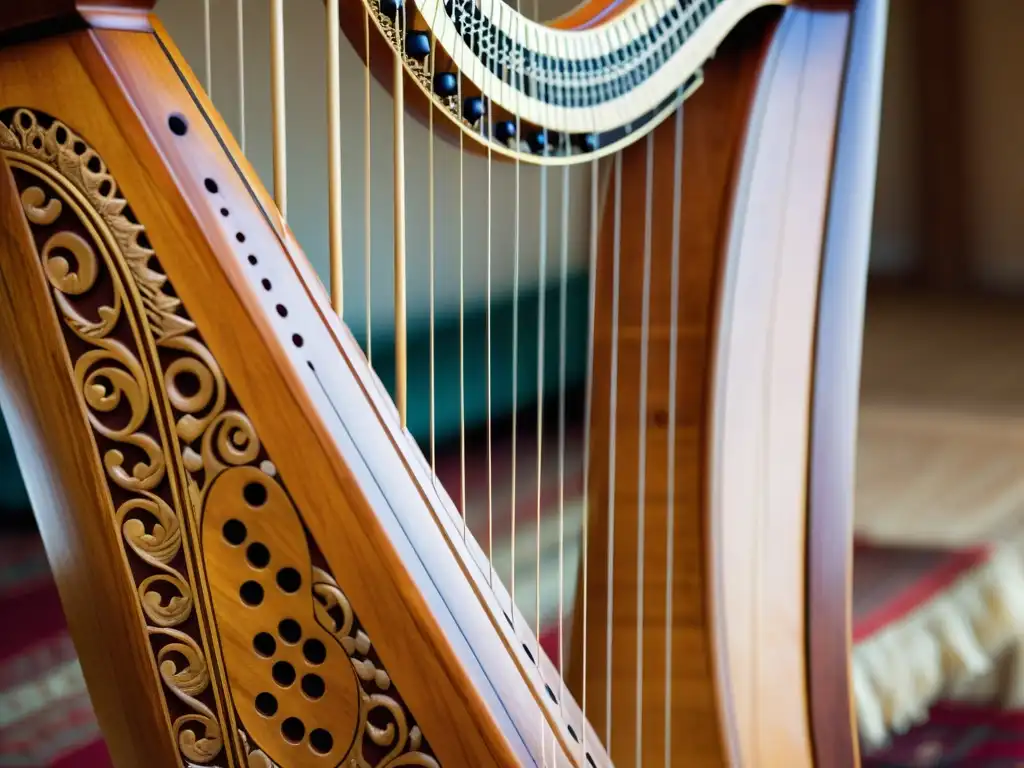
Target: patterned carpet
46,718
971,737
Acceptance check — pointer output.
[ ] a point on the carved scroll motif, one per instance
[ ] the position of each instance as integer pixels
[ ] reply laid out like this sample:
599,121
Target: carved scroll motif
167,427
399,740
110,302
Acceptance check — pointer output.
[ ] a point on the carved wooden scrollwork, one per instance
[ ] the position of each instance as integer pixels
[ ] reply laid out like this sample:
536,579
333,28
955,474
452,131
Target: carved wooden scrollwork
179,455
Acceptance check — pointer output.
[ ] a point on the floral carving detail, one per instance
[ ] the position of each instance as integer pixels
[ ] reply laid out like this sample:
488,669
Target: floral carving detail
139,349
399,741
98,264
254,756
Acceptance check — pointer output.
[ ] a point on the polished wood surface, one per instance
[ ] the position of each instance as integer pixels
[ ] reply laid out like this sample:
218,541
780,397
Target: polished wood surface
763,385
835,403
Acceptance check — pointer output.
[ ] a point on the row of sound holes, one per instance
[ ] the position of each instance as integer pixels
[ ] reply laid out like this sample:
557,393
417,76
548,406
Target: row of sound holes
288,579
252,593
292,728
313,687
179,127
551,695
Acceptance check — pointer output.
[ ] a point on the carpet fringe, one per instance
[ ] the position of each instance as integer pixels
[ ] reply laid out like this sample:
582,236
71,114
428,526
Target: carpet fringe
942,646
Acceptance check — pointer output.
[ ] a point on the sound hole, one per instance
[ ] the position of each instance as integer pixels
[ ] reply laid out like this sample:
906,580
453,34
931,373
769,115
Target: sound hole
255,495
257,555
298,342
211,186
264,644
321,741
282,310
528,653
253,260
313,686
293,730
251,593
266,284
591,760
573,734
240,237
290,631
178,124
284,674
266,704
314,651
551,693
288,580
234,532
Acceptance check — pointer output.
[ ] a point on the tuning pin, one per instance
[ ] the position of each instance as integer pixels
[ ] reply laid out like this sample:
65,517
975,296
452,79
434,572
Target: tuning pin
538,141
473,109
446,84
390,8
417,45
588,142
505,131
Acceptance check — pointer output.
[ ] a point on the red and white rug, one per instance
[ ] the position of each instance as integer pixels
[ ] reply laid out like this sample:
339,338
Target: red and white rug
46,719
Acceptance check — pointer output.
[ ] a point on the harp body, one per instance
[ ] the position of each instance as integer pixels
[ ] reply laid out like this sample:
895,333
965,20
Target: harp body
257,562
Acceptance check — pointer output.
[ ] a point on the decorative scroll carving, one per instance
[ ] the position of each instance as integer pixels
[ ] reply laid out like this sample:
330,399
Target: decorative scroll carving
96,260
171,435
254,756
399,741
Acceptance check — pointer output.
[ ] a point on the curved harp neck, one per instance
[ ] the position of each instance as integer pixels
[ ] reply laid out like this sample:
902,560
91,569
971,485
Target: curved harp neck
27,20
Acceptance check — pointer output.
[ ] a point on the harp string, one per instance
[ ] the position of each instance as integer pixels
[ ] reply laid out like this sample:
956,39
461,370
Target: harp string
587,409
563,292
277,86
541,313
487,375
462,317
367,189
337,270
401,339
541,320
431,257
645,315
677,195
516,245
612,424
241,74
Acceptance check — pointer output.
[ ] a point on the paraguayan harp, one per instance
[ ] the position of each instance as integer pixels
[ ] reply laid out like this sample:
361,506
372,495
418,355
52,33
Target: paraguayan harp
259,564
